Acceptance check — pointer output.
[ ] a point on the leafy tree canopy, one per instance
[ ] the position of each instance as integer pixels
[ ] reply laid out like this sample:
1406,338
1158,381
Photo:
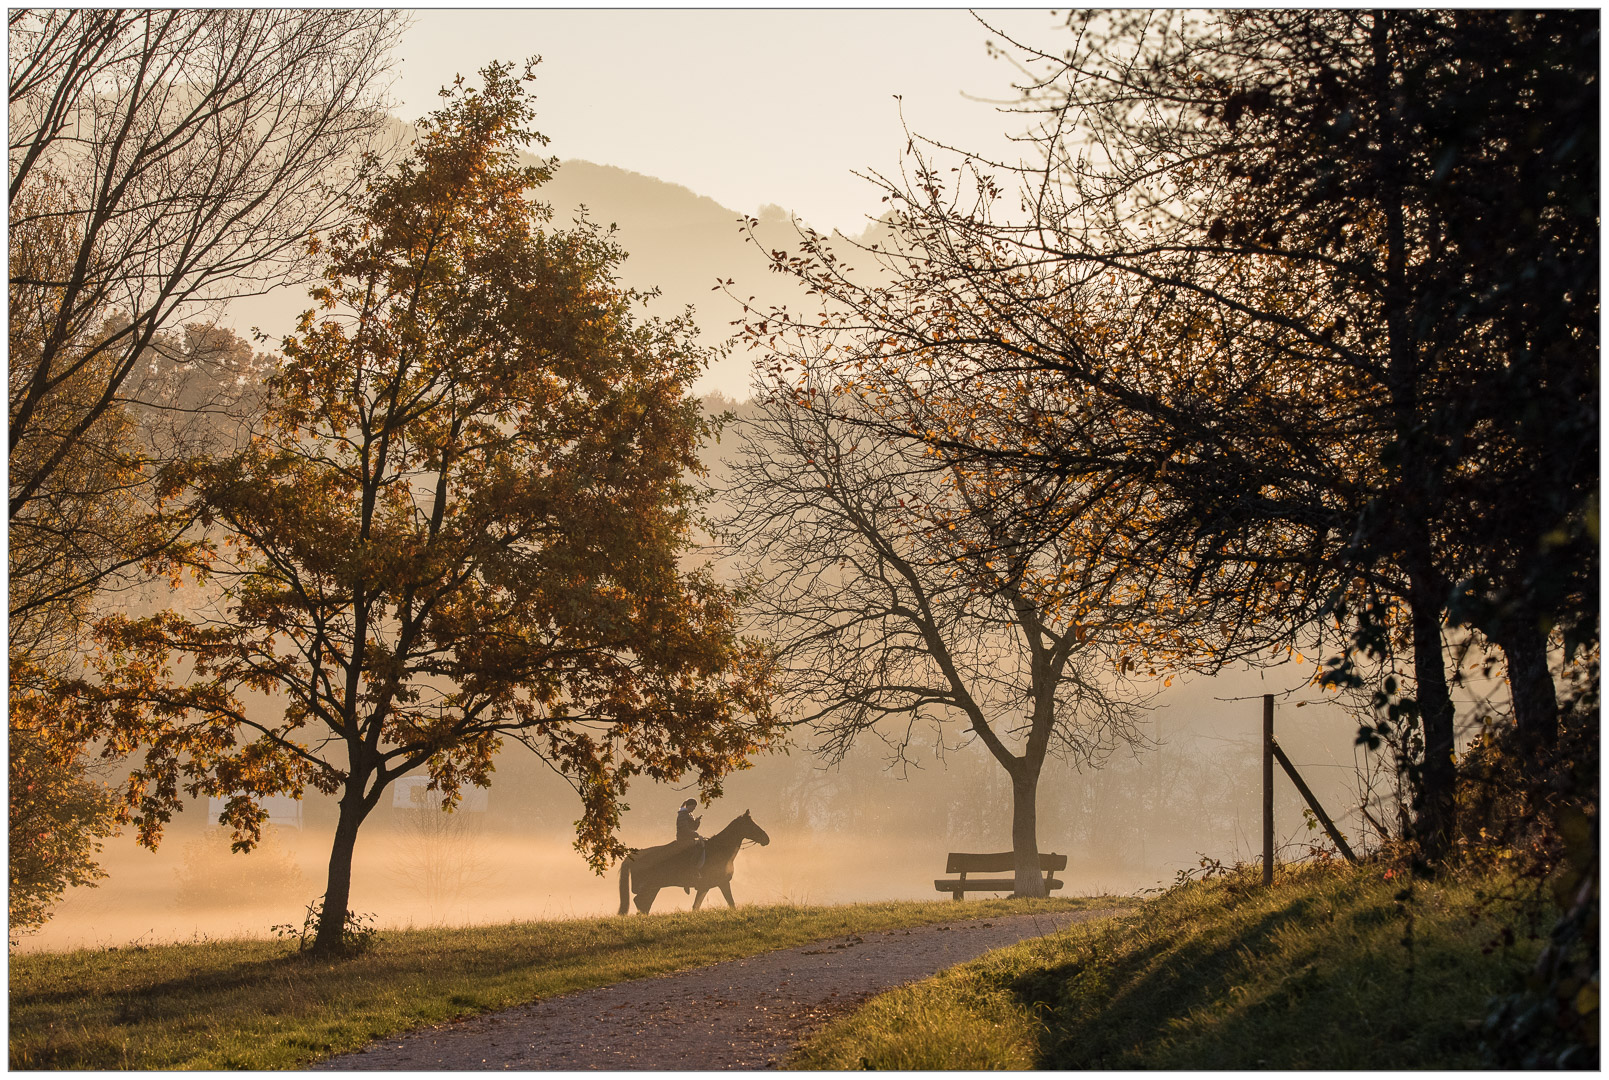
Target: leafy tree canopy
461,520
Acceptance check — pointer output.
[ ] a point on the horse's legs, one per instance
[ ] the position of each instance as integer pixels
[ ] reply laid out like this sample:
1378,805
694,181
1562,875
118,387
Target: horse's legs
698,901
726,891
645,900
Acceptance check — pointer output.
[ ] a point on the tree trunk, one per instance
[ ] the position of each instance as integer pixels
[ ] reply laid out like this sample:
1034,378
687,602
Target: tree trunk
1530,683
1419,486
1025,829
1437,810
338,890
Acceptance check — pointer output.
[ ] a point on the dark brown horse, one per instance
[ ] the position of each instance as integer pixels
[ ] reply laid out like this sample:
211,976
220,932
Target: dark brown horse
644,874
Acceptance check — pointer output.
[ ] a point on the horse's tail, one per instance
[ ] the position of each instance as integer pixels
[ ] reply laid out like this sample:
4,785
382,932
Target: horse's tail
625,884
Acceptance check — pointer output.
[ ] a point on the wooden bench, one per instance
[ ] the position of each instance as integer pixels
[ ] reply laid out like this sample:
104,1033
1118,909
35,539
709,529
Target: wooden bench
964,863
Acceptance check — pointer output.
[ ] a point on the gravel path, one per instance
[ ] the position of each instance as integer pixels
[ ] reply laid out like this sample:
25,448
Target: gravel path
739,1014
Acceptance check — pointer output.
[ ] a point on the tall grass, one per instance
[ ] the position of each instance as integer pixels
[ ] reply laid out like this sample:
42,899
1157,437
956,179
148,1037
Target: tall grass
259,1005
1329,969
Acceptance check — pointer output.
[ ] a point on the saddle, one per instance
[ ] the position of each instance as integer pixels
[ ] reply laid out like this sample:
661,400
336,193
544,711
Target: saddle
673,856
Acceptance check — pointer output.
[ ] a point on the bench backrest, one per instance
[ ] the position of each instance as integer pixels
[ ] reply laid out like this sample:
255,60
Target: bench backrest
962,862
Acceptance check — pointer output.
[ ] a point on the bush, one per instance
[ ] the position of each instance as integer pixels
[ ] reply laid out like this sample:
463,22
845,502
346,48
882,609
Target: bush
58,816
358,933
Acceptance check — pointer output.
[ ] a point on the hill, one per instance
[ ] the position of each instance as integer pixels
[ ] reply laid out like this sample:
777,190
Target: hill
678,242
682,244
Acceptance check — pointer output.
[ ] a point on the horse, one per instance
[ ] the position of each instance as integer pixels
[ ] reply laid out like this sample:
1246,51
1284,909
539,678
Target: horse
682,869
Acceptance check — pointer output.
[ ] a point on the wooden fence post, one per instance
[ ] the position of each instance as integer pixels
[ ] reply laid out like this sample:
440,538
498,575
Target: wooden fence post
1271,750
1268,789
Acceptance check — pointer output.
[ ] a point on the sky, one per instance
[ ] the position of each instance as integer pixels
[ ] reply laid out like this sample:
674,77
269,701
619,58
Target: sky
749,107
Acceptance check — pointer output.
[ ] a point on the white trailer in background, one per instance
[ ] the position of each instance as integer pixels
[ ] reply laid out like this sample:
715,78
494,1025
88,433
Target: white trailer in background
283,810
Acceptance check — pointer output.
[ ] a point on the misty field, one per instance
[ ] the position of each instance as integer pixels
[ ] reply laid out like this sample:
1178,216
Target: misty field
260,1005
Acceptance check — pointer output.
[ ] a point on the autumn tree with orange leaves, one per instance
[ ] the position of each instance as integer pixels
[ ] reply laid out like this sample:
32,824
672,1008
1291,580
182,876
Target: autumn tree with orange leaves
460,522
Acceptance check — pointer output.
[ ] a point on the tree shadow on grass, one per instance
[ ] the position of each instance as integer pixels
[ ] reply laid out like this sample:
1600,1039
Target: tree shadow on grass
140,1000
1105,1014
249,983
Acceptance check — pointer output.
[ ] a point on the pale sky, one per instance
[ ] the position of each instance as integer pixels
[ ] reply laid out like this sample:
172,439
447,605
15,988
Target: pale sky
745,106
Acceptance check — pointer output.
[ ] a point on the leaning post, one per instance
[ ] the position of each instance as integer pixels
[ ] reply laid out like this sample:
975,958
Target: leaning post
1268,789
1312,801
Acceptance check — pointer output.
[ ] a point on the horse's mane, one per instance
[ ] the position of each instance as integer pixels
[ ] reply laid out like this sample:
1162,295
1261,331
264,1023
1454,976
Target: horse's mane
731,827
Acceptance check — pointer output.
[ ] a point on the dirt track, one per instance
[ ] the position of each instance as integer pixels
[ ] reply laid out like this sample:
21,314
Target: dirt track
740,1014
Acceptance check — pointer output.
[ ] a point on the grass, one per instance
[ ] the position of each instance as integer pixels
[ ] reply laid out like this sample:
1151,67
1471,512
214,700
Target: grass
1330,969
257,1005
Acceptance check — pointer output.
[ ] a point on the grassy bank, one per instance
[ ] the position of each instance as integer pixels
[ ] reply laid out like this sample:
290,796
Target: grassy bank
1327,970
256,1005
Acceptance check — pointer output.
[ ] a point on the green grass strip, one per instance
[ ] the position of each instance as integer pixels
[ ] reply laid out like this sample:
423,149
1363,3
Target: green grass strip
1326,970
256,1005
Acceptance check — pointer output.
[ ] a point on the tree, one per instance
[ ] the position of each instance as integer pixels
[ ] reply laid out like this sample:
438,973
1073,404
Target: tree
461,520
1266,241
57,812
161,162
1419,167
84,525
175,159
90,531
85,522
1433,174
899,589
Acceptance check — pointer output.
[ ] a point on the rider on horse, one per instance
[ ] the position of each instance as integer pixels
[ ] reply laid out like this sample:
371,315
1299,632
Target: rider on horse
687,832
647,870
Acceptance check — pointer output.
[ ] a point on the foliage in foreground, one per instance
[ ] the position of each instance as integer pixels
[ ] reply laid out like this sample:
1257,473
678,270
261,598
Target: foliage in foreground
1331,969
254,1005
1323,306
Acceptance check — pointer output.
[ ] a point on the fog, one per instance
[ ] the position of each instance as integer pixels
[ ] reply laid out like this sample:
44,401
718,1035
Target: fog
854,832
839,835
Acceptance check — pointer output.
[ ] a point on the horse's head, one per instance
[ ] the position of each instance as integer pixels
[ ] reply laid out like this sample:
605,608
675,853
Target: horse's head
751,831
